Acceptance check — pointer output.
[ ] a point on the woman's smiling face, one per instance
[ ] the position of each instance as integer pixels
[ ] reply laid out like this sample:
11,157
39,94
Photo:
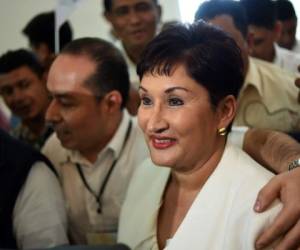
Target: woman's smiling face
178,120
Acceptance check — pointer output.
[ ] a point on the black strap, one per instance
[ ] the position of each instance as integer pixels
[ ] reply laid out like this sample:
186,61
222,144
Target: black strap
98,197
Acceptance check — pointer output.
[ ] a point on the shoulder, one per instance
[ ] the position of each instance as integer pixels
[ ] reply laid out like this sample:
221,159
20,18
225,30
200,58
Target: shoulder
40,175
39,215
142,200
137,142
54,151
273,73
250,179
41,185
296,48
147,174
247,178
237,135
52,142
245,167
240,175
145,187
246,175
274,81
288,54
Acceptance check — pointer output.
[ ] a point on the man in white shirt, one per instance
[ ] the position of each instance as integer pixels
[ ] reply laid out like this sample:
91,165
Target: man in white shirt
97,144
287,16
265,31
32,209
268,98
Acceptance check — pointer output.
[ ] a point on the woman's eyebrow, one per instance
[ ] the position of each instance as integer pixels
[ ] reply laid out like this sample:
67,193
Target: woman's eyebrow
143,89
169,90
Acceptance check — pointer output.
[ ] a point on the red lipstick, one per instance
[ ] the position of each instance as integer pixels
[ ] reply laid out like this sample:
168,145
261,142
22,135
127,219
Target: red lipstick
162,142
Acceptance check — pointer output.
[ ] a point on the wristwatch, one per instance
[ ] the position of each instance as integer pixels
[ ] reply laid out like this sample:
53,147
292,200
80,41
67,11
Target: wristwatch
294,164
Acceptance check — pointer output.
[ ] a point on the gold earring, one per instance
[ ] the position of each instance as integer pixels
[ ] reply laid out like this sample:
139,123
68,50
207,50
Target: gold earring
222,131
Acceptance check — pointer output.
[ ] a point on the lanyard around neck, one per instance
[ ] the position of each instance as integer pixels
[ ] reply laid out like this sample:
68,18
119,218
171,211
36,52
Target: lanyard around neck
98,197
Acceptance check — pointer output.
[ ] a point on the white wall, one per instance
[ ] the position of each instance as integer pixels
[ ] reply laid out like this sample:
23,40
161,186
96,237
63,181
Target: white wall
86,20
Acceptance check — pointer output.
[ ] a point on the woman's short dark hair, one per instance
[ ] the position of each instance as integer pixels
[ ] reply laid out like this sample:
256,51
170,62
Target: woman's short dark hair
111,69
209,55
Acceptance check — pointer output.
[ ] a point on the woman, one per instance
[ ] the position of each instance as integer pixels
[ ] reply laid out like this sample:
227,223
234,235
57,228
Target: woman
203,195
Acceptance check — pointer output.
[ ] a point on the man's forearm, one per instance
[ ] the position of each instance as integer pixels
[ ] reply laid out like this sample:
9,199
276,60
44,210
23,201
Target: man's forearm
272,149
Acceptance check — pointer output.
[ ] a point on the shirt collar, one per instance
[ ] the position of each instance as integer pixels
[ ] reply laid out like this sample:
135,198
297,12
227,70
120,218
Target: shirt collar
277,53
253,77
115,144
117,140
257,75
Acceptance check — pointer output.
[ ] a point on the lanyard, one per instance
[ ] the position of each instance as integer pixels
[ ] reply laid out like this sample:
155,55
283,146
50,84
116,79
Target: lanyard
98,197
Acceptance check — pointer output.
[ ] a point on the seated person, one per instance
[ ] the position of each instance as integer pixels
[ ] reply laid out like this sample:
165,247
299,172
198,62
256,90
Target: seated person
32,210
23,88
197,191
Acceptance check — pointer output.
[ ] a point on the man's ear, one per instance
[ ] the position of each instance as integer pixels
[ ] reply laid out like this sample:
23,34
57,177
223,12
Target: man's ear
226,111
277,30
43,52
113,101
107,16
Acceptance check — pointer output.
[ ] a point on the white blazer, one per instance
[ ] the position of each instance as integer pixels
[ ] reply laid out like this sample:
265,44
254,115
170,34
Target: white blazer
221,217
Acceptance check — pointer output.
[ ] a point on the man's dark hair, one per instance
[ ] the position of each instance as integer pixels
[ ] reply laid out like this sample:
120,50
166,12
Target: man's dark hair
210,9
111,69
15,59
197,47
260,13
108,4
285,10
41,29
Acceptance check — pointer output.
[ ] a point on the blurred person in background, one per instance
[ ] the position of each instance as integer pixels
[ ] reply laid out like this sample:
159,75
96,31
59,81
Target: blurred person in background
134,23
40,31
268,98
23,88
265,30
287,16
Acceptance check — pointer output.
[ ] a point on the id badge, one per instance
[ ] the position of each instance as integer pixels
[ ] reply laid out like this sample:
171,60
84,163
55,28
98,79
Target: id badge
101,238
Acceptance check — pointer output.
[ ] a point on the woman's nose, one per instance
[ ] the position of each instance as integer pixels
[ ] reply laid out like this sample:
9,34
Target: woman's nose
157,121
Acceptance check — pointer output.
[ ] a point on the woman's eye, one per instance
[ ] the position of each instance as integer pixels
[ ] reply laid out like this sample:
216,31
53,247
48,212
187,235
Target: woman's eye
175,102
146,101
